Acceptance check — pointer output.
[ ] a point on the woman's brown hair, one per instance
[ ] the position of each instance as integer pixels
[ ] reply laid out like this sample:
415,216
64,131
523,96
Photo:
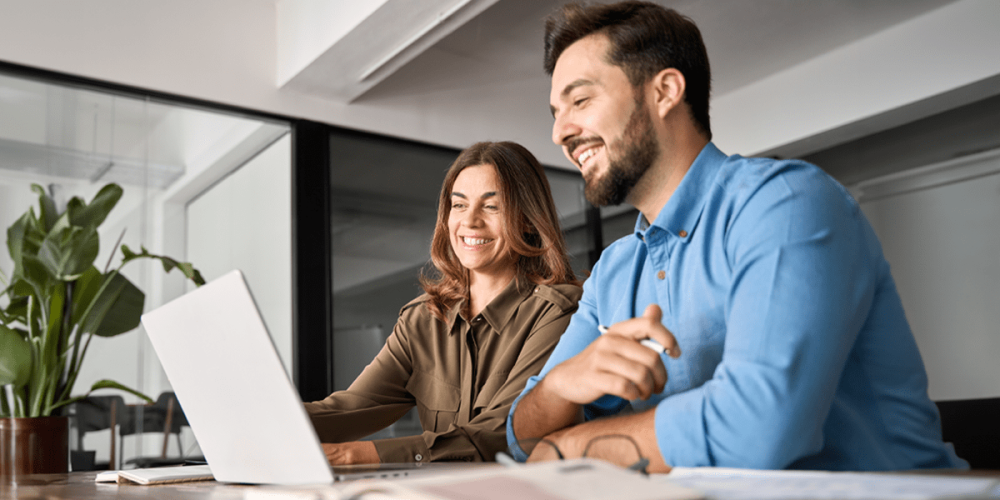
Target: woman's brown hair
531,225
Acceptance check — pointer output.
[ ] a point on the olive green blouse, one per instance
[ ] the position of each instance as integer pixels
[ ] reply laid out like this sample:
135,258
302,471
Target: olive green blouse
462,375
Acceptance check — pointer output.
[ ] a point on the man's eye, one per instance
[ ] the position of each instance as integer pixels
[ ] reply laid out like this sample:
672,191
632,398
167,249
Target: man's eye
492,207
580,101
457,205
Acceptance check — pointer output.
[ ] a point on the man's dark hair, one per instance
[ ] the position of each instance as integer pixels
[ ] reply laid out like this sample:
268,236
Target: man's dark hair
645,39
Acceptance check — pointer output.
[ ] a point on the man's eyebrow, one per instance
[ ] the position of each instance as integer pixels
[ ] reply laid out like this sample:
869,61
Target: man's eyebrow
582,82
460,195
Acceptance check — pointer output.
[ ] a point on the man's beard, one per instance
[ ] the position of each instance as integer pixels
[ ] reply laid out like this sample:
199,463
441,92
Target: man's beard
639,150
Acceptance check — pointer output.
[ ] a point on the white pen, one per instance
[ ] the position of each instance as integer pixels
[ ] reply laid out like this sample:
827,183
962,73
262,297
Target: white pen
650,343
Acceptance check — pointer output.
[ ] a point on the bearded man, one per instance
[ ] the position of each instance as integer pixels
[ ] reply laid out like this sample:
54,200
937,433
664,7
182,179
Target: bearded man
751,319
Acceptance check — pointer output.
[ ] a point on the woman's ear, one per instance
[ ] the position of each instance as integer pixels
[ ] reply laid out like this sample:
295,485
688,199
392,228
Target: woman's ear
667,89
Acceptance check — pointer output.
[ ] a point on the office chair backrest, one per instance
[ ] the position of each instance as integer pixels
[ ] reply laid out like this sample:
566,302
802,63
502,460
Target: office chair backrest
973,427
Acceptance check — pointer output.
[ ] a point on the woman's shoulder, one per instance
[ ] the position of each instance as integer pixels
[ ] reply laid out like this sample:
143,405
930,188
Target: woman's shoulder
413,306
565,296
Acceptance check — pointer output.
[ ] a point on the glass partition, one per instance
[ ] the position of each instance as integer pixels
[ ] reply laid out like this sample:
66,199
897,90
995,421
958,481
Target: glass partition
72,140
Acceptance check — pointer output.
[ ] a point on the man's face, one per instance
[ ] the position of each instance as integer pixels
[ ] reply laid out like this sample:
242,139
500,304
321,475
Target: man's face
601,121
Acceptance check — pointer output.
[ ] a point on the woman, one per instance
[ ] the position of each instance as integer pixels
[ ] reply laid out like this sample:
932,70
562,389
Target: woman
502,294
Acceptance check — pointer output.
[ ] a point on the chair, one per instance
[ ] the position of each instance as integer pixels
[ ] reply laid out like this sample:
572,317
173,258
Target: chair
973,427
166,416
96,413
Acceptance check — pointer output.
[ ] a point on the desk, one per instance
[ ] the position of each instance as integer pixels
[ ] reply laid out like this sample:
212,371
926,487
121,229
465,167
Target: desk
81,485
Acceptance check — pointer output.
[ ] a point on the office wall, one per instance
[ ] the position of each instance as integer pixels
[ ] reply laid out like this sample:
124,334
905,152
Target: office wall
943,243
244,222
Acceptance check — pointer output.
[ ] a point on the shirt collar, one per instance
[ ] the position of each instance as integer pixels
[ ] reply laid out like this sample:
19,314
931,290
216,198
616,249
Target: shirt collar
499,311
681,213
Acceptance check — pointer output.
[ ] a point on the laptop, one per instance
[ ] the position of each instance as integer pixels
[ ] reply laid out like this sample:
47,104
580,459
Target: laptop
244,411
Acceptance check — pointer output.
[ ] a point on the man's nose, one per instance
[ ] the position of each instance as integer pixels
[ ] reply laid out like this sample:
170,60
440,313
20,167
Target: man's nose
563,129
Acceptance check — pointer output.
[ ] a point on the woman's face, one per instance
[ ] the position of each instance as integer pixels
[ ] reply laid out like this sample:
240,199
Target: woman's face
475,221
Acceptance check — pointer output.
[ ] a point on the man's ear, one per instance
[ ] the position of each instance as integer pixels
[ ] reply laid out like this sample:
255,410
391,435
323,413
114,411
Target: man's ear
667,90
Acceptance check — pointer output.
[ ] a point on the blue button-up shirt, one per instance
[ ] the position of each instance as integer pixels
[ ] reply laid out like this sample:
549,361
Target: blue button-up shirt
796,351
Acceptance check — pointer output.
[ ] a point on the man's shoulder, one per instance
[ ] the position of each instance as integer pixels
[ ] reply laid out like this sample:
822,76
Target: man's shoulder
616,257
741,178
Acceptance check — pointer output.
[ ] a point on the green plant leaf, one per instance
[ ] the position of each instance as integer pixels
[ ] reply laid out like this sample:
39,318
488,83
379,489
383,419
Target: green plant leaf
15,358
23,238
118,309
92,215
48,207
102,384
69,251
168,263
35,274
111,384
84,289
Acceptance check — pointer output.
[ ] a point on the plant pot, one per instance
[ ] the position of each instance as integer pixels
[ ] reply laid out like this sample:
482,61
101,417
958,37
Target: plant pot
37,445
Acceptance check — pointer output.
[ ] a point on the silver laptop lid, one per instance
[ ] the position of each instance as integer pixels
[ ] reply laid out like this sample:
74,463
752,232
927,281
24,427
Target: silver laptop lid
243,409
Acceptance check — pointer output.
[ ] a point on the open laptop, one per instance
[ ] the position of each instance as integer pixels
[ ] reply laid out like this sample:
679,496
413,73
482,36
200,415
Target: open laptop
243,409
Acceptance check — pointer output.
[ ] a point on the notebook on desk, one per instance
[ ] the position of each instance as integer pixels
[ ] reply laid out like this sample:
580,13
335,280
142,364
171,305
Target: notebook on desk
242,408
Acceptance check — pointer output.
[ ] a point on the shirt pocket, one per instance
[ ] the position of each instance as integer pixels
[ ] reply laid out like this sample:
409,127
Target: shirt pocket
437,401
489,391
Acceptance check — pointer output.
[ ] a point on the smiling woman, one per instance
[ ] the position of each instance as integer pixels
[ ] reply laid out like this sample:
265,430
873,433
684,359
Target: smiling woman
501,293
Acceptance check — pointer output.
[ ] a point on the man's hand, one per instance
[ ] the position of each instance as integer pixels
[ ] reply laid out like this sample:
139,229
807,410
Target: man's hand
616,363
354,452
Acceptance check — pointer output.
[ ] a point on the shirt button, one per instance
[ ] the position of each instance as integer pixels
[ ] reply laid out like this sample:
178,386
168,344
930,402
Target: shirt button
661,274
683,233
418,457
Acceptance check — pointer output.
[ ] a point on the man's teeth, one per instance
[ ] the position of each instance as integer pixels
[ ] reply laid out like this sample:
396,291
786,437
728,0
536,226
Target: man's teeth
586,155
476,241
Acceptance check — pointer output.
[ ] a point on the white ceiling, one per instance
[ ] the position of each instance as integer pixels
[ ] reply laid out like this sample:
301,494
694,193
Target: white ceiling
746,41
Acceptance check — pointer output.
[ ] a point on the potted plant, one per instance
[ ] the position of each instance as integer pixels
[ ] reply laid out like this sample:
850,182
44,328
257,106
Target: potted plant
57,300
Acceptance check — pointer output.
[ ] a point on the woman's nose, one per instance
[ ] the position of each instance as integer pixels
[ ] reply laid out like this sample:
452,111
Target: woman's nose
472,218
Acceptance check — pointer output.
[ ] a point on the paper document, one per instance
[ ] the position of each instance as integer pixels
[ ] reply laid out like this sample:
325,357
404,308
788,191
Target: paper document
157,475
738,484
580,479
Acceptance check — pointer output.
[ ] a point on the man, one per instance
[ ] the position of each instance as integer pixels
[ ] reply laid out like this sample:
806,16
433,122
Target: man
785,341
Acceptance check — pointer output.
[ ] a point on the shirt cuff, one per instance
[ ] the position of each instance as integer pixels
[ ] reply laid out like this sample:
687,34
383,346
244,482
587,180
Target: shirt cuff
512,446
680,430
402,449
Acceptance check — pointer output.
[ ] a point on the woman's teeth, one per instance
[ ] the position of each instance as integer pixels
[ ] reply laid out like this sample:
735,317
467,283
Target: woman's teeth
475,241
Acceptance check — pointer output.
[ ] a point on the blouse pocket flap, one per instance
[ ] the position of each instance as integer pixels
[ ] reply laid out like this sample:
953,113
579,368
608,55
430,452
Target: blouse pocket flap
433,393
491,388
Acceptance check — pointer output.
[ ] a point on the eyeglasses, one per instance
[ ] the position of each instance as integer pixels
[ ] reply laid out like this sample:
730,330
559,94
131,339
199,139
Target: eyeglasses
618,449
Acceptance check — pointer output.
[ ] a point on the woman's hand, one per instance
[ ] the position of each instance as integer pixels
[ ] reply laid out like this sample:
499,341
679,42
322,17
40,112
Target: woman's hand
353,452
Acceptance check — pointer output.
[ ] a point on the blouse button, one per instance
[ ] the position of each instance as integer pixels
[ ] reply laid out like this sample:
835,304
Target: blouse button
661,274
683,234
418,457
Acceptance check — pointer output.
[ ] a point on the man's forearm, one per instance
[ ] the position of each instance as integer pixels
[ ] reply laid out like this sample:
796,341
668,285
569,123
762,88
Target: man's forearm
540,413
621,440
